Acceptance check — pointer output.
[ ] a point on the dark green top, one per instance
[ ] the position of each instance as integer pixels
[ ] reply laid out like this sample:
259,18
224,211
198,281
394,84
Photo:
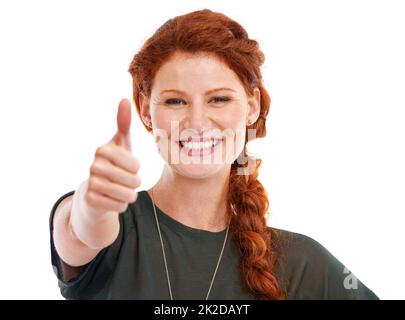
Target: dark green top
133,266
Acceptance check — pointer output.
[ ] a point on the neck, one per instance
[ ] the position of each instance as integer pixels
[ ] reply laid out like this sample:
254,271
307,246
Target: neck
197,203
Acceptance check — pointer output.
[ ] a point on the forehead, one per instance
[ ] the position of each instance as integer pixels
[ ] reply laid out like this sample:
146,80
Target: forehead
195,72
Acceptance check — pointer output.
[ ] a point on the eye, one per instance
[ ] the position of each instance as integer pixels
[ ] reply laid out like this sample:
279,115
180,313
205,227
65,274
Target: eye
175,101
220,99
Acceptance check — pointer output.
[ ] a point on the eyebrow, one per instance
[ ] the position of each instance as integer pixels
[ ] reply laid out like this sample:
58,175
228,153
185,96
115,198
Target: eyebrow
206,93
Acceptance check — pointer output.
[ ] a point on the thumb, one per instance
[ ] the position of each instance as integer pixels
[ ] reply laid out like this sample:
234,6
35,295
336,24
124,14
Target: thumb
123,136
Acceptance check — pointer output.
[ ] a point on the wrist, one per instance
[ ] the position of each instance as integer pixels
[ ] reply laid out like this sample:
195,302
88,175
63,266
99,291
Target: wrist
90,227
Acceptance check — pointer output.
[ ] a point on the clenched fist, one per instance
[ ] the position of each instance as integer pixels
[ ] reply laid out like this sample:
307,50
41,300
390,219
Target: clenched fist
114,171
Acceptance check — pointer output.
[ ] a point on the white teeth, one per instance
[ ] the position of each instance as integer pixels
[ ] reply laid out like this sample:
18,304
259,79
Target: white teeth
199,145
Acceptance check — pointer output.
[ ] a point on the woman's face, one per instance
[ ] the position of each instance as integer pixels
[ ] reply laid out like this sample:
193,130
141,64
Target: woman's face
199,112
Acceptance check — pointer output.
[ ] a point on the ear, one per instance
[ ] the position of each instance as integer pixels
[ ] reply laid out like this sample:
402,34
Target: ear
254,107
144,106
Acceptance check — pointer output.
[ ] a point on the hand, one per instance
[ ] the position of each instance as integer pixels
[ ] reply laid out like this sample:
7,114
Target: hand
114,171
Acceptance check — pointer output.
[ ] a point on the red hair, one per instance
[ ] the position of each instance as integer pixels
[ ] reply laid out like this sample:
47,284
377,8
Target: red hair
212,32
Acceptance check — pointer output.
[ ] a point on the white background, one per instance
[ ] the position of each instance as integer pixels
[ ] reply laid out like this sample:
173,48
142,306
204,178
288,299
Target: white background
333,161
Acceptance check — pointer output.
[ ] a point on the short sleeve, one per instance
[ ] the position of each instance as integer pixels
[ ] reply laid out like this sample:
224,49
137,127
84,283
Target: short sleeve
94,277
313,273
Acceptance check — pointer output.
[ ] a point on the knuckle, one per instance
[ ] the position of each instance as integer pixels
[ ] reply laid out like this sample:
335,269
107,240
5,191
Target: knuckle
90,197
101,151
90,184
94,168
99,167
94,183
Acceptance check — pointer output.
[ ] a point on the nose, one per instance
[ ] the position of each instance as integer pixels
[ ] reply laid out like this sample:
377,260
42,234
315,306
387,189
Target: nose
197,118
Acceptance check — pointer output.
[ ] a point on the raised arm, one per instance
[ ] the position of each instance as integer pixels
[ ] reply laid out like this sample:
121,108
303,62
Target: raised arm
87,221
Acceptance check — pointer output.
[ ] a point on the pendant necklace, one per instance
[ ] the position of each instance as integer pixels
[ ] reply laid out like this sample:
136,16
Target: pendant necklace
164,254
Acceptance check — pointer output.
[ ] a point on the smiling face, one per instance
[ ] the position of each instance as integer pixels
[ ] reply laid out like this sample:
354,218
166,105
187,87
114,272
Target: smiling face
199,110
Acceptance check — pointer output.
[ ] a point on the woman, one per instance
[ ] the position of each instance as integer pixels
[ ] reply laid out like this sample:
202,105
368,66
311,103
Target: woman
200,232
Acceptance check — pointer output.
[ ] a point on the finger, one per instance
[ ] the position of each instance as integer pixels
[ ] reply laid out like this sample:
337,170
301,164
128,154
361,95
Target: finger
123,136
104,168
105,203
111,189
119,157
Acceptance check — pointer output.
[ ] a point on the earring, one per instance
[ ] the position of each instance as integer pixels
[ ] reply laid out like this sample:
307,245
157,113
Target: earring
148,123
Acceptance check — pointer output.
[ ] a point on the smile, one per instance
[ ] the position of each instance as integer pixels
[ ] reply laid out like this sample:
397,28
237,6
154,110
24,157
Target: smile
199,147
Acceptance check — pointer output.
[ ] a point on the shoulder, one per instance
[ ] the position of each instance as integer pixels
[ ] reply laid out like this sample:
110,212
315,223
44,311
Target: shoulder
299,253
298,247
310,271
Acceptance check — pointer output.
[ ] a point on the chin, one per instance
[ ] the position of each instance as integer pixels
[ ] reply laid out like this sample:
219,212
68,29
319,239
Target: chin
198,171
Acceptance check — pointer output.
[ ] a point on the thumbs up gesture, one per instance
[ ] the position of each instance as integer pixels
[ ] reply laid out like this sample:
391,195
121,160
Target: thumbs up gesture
114,171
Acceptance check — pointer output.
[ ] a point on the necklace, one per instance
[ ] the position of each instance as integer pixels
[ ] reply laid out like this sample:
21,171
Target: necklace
164,254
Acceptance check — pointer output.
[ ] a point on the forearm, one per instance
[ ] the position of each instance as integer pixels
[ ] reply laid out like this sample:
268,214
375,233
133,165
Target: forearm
80,235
